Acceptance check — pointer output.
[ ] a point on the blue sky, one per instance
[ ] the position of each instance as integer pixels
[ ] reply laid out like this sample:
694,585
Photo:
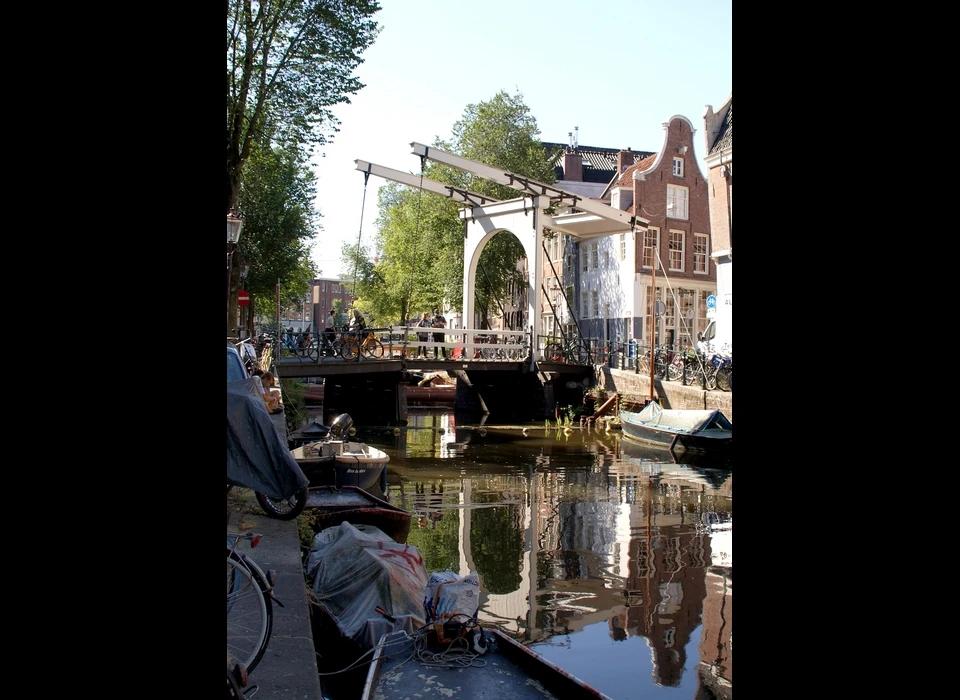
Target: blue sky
617,70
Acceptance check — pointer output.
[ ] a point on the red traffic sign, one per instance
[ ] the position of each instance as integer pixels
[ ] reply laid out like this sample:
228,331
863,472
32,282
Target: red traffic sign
243,298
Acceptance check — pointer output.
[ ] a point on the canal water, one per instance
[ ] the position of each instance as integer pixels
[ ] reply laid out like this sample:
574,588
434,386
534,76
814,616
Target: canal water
610,559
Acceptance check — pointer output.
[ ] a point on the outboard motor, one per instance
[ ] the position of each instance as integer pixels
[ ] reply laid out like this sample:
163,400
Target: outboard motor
340,427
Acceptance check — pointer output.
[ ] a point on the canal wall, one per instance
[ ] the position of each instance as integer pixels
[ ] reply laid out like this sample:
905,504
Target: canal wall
635,388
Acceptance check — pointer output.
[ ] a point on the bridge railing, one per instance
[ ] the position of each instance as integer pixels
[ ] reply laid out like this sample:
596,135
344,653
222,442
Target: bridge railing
464,343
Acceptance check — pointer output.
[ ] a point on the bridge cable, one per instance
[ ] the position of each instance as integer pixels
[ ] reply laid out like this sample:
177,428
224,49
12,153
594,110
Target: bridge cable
363,204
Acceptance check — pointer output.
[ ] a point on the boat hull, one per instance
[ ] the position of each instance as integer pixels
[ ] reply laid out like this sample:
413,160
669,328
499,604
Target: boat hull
337,463
681,430
328,506
509,670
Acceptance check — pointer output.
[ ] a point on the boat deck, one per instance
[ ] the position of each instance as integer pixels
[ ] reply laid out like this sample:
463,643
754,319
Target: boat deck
401,668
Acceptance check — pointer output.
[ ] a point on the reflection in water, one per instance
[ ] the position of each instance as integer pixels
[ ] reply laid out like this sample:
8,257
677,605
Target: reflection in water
609,558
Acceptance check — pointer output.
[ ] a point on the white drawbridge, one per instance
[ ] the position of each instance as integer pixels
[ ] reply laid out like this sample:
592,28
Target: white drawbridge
540,207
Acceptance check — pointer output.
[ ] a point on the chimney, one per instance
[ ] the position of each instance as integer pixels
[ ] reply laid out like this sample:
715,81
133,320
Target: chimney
624,160
572,166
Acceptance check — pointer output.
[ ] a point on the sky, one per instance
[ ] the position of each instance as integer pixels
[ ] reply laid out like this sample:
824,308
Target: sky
612,72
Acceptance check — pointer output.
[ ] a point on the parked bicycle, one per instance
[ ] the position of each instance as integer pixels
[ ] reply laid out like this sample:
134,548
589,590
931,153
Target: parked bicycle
667,363
496,350
723,362
250,601
570,350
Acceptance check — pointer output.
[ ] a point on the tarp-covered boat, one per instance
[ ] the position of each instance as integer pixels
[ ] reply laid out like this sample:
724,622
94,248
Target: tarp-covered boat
356,571
679,429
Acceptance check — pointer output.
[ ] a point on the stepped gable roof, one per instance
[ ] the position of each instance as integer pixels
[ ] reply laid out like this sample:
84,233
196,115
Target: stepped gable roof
599,164
725,137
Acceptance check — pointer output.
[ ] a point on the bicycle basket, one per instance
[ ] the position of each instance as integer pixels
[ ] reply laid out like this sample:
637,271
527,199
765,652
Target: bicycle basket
690,354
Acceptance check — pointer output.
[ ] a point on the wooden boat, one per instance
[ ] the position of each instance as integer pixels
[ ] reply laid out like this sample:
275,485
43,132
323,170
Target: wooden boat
506,669
328,506
341,463
679,429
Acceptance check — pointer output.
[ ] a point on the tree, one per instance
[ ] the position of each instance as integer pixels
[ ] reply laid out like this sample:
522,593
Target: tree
288,63
420,236
277,197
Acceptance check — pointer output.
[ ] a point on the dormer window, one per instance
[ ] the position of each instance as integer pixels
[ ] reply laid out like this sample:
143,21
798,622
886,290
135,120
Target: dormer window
678,167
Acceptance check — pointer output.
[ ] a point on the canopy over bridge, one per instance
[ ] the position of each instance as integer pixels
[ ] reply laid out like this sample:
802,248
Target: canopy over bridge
540,207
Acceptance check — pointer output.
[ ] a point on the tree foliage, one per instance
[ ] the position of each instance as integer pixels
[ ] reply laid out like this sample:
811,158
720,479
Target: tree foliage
288,64
420,236
277,196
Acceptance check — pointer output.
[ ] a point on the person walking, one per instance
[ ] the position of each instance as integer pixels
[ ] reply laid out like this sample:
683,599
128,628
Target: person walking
329,333
424,322
439,321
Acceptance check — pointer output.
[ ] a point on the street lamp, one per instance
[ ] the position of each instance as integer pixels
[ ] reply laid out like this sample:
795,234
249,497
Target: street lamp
234,224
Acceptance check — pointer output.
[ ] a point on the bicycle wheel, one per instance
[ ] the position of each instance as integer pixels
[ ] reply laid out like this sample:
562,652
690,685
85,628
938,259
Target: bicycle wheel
724,375
488,353
282,508
675,369
349,348
248,619
313,350
553,352
373,348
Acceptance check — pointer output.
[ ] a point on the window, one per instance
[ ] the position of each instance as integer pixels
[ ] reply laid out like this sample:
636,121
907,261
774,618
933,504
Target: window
676,250
678,167
595,254
323,303
606,258
623,246
323,286
650,237
596,303
676,202
585,251
585,306
335,288
701,253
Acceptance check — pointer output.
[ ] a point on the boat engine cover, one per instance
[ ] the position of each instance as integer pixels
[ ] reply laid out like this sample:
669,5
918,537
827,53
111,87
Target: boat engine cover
341,425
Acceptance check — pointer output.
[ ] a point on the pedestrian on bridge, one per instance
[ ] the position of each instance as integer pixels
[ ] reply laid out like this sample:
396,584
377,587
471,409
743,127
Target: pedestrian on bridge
425,322
439,321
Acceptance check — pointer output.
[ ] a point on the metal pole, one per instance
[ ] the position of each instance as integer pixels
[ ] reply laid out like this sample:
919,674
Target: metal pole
229,274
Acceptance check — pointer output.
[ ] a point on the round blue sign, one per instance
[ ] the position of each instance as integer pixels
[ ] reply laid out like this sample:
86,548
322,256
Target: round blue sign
711,302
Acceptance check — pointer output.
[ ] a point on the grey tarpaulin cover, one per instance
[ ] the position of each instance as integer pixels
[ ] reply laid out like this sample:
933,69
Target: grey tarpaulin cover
353,571
256,457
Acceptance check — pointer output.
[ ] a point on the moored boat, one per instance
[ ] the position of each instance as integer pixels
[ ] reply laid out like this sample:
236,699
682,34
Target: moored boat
503,668
679,429
341,463
328,506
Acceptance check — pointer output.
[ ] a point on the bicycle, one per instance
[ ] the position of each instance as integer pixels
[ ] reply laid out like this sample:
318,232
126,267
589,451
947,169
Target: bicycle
351,347
668,364
569,350
250,601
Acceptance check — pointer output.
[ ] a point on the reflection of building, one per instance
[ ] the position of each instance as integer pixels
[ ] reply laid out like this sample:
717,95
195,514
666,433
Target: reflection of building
715,670
630,551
